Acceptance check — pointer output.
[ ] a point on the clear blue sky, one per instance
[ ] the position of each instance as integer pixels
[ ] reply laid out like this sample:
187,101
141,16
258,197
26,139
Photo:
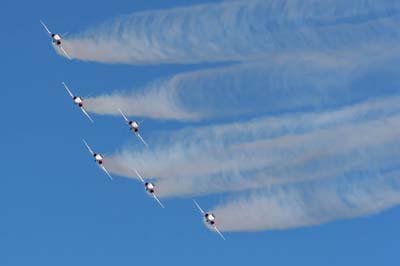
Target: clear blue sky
58,208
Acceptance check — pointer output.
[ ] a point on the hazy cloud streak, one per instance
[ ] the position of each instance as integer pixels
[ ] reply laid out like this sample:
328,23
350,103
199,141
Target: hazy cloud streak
280,150
294,83
237,31
311,204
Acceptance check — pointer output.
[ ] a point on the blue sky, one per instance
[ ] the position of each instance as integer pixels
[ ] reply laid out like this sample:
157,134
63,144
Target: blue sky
58,208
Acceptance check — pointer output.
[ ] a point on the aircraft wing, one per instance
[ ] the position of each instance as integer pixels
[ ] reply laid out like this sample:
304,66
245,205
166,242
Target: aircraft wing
142,140
159,202
198,206
86,113
65,52
123,115
45,27
88,147
140,177
105,171
69,92
218,232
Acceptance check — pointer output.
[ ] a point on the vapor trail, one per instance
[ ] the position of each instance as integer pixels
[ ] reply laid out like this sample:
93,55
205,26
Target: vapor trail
285,84
280,150
283,207
237,31
157,101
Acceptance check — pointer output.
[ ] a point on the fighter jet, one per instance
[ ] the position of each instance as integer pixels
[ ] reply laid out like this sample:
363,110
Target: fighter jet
78,101
209,218
134,127
99,159
150,188
56,39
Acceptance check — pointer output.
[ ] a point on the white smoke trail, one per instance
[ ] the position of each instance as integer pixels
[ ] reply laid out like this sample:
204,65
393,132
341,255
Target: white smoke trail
310,204
156,101
289,149
306,82
237,31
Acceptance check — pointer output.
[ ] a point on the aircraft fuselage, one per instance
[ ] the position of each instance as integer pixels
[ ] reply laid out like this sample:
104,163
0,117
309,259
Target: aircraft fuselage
56,38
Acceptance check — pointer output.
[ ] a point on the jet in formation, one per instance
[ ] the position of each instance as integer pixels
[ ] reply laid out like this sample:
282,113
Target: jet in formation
209,218
56,38
150,188
78,101
134,126
99,159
